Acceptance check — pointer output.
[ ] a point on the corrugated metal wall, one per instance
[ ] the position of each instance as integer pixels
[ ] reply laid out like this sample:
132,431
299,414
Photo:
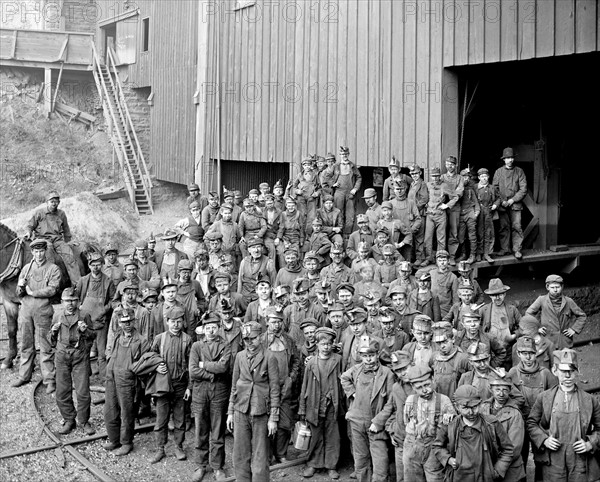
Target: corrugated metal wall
305,77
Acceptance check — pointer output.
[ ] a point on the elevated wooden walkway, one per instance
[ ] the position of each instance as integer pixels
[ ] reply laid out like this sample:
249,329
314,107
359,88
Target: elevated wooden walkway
572,258
46,49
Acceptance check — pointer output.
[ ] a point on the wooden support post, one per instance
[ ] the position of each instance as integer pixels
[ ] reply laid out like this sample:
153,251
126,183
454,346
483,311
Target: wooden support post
48,91
14,47
571,265
449,114
57,85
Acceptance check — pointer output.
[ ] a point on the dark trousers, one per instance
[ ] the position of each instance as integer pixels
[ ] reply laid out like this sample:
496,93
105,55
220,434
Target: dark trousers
510,224
324,449
119,407
287,419
173,402
435,224
210,411
419,239
468,227
101,337
34,332
250,448
453,221
369,451
342,201
72,369
485,232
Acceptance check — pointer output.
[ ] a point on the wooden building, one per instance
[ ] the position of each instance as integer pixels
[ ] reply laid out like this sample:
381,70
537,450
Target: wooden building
241,90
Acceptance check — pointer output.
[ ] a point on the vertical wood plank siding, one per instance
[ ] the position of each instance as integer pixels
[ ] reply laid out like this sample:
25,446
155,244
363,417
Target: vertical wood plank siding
368,73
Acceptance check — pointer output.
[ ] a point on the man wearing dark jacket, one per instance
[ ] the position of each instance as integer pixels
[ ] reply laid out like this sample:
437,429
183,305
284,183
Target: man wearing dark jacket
564,426
511,188
253,411
460,445
96,291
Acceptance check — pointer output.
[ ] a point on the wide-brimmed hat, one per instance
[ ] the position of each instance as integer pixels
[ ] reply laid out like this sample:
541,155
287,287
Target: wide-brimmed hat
496,287
169,234
507,152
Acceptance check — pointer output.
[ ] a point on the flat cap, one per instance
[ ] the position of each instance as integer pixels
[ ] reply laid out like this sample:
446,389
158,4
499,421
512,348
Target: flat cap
529,324
301,285
467,395
442,330
422,275
418,373
130,284
565,359
347,287
185,264
110,247
478,351
323,286
387,205
526,343
554,278
193,187
451,159
254,242
175,312
141,244
435,171
130,261
69,294
209,318
213,236
423,323
251,329
335,306
483,170
327,197
52,195
309,322
324,330
149,293
263,278
496,380
95,257
400,359
275,312
442,253
415,169
168,281
357,315
38,243
398,289
368,346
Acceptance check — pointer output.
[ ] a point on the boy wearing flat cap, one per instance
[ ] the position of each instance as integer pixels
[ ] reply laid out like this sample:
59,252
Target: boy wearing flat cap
422,348
368,388
564,426
444,282
423,299
435,220
400,363
425,412
356,337
251,267
257,309
96,292
448,361
191,228
506,410
419,194
460,446
293,267
362,235
530,326
406,211
253,411
292,229
471,332
120,408
332,219
72,336
561,318
489,202
251,225
174,346
283,349
320,405
337,272
373,212
211,211
209,372
319,242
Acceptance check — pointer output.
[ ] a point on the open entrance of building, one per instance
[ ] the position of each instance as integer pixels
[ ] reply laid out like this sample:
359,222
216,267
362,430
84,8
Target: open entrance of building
245,175
546,110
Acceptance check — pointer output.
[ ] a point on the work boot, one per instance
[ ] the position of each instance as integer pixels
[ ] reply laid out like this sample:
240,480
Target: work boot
353,475
111,446
488,258
220,475
518,255
417,263
19,382
478,258
471,259
308,472
123,450
199,474
88,429
50,388
333,474
452,261
158,455
67,427
179,453
426,262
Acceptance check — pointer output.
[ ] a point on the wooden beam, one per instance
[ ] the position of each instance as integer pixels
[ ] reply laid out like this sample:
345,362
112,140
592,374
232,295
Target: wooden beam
75,113
57,86
571,265
63,49
14,47
44,65
48,91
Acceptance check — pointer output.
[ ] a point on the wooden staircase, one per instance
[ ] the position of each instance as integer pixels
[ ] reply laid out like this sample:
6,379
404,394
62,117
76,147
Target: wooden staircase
122,133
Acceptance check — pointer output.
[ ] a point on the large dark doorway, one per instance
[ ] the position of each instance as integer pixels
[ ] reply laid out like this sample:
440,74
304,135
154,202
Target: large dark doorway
545,108
244,175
